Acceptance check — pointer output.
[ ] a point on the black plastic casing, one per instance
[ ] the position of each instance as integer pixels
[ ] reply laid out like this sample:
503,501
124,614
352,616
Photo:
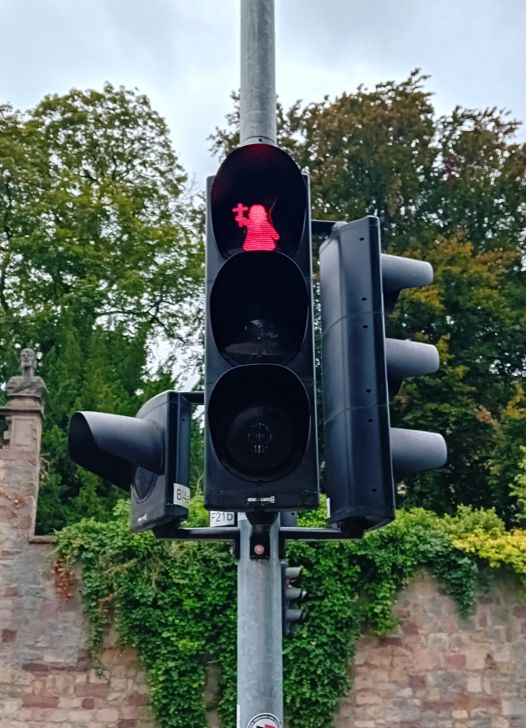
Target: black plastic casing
167,498
364,456
226,489
359,475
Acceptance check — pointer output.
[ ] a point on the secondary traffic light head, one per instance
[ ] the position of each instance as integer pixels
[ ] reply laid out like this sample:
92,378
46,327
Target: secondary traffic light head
361,368
149,452
292,597
259,392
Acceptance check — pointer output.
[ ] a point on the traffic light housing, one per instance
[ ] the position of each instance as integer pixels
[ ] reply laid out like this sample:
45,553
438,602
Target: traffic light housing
364,456
148,452
260,434
292,597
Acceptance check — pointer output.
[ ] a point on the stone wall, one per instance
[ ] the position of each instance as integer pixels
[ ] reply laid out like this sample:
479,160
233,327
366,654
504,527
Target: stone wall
45,677
435,670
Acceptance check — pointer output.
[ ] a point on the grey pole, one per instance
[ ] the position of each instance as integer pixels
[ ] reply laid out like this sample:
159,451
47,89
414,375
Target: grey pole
259,615
258,72
259,633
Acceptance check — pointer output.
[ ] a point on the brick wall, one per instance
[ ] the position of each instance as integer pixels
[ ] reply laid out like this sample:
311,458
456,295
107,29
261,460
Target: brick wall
435,670
45,677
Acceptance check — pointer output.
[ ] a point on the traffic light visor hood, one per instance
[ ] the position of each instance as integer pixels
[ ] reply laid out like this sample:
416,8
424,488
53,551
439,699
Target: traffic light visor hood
112,446
258,201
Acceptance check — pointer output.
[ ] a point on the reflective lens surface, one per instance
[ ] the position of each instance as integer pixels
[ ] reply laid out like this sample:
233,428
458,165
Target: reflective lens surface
259,419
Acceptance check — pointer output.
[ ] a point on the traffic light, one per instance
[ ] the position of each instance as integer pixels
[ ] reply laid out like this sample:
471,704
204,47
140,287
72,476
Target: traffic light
149,452
261,449
364,456
292,598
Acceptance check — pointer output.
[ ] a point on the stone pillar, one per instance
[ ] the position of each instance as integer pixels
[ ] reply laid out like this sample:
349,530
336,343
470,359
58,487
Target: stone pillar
20,463
46,678
20,452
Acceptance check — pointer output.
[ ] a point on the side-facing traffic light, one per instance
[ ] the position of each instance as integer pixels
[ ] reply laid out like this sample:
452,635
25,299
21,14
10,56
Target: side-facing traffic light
261,450
364,456
149,452
292,597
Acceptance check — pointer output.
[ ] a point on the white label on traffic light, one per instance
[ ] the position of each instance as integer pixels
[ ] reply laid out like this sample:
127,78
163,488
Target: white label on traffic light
222,518
181,495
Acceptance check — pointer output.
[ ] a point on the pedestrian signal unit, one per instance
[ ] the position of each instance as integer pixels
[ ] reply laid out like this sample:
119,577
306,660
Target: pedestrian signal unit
261,439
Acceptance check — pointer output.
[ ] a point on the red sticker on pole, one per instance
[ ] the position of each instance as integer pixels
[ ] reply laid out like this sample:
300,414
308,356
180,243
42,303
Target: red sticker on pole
261,234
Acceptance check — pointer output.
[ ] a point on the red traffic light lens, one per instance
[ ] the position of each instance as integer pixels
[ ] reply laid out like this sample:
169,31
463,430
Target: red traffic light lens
261,234
258,202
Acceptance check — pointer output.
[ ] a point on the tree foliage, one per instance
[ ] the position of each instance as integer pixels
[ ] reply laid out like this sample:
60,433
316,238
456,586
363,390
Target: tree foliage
97,264
451,190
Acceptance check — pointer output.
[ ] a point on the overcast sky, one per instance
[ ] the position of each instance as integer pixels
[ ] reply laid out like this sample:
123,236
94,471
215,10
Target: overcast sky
184,54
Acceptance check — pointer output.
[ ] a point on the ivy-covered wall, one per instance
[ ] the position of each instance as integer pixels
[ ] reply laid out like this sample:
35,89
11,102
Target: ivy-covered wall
438,669
47,679
420,624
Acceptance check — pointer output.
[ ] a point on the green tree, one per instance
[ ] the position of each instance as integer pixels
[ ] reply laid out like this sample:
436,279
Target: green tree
98,264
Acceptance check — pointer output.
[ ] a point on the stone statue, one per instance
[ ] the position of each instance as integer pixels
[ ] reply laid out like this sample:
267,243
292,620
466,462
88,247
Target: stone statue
26,385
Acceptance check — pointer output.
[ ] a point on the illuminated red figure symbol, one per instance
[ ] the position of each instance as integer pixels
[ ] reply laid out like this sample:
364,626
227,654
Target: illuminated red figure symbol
261,234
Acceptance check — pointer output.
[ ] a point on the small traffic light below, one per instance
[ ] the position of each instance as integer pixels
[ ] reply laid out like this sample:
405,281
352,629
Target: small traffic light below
260,435
149,452
364,456
293,596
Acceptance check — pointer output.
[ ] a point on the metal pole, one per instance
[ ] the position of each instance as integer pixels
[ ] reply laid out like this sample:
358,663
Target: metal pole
258,72
259,611
259,634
